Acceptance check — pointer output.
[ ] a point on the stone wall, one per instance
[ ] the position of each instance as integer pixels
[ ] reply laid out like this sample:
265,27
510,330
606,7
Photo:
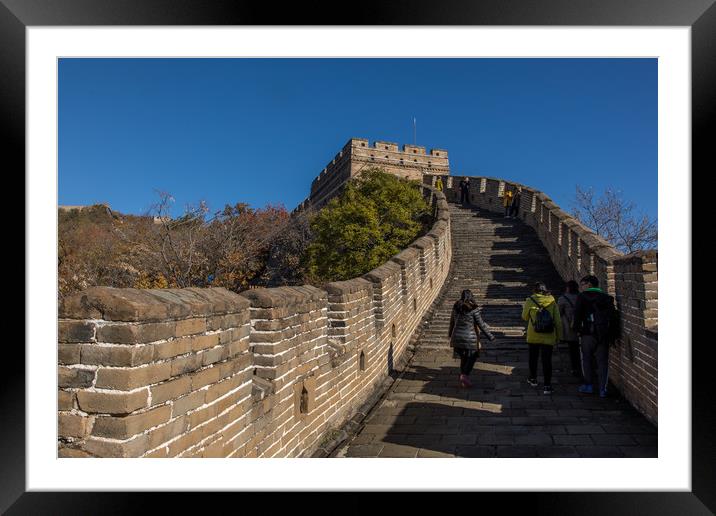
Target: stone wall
210,373
410,162
634,364
577,251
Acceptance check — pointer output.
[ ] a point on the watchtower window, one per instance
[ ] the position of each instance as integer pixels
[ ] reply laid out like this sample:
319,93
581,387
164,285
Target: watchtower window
303,406
386,148
437,154
362,144
414,151
361,361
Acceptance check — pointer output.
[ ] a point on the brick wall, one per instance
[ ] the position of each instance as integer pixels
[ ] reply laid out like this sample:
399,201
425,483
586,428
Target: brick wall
576,251
210,373
410,162
633,363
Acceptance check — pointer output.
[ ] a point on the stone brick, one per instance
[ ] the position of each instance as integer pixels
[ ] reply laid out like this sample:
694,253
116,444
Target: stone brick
131,378
204,377
75,331
167,432
170,390
204,341
73,425
171,348
188,403
185,365
115,356
74,377
68,354
214,355
159,453
65,400
132,448
112,402
135,333
65,452
114,304
133,424
190,326
185,442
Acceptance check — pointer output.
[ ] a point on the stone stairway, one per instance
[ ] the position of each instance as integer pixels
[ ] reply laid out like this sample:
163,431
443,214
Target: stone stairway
426,414
499,259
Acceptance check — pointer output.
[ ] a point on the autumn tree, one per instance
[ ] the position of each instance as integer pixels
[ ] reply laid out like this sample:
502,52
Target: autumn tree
286,260
615,219
228,248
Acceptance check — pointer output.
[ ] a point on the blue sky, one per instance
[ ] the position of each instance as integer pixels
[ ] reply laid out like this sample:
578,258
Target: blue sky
259,130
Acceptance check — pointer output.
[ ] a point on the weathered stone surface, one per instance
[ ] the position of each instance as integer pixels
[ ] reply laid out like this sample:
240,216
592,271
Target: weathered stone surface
324,354
102,402
74,377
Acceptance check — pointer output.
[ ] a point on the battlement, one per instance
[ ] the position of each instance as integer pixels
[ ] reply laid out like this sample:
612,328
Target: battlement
392,147
410,161
206,372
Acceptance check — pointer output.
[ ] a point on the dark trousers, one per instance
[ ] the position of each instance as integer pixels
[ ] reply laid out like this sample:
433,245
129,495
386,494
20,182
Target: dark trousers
575,356
464,197
468,357
513,210
508,210
592,347
546,351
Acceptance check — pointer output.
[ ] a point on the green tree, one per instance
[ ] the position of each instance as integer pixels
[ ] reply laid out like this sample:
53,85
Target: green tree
376,217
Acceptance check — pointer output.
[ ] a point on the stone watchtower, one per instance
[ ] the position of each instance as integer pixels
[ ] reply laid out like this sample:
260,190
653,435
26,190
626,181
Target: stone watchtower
412,162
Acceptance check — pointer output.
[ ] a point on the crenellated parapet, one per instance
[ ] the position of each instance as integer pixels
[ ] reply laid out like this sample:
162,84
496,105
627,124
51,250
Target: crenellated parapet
205,372
410,162
577,251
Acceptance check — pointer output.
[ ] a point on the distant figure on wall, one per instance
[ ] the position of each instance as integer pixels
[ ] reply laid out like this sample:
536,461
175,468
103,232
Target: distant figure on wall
465,326
465,191
439,184
507,202
544,329
566,304
515,203
596,322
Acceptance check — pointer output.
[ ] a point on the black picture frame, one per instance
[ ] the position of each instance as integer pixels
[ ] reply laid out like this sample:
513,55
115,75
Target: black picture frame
700,15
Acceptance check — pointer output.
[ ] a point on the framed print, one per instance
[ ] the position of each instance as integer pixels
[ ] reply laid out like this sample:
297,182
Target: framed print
197,358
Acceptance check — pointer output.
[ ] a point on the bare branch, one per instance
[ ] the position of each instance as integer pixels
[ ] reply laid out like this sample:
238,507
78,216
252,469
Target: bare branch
611,217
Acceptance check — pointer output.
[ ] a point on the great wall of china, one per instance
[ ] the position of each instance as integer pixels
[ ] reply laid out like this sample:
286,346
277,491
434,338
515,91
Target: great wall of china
276,372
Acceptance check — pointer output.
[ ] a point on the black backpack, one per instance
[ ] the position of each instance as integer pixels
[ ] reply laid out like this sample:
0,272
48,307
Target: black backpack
543,323
603,323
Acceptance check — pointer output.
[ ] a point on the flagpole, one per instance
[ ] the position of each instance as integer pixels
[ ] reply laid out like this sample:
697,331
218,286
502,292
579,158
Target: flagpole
415,131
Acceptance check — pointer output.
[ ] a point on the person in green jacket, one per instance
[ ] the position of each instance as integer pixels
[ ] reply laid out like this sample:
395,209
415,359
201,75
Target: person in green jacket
544,330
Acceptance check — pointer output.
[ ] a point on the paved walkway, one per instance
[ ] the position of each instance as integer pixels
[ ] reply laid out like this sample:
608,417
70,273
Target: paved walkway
426,413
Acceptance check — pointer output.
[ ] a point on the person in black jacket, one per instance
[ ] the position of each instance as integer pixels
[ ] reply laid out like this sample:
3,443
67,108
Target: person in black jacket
595,323
515,203
465,191
465,326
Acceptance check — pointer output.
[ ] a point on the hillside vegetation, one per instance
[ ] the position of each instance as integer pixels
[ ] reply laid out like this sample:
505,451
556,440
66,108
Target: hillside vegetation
239,247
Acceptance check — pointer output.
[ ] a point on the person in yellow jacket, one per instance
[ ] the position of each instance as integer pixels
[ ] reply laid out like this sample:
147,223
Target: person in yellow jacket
439,184
507,202
544,330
